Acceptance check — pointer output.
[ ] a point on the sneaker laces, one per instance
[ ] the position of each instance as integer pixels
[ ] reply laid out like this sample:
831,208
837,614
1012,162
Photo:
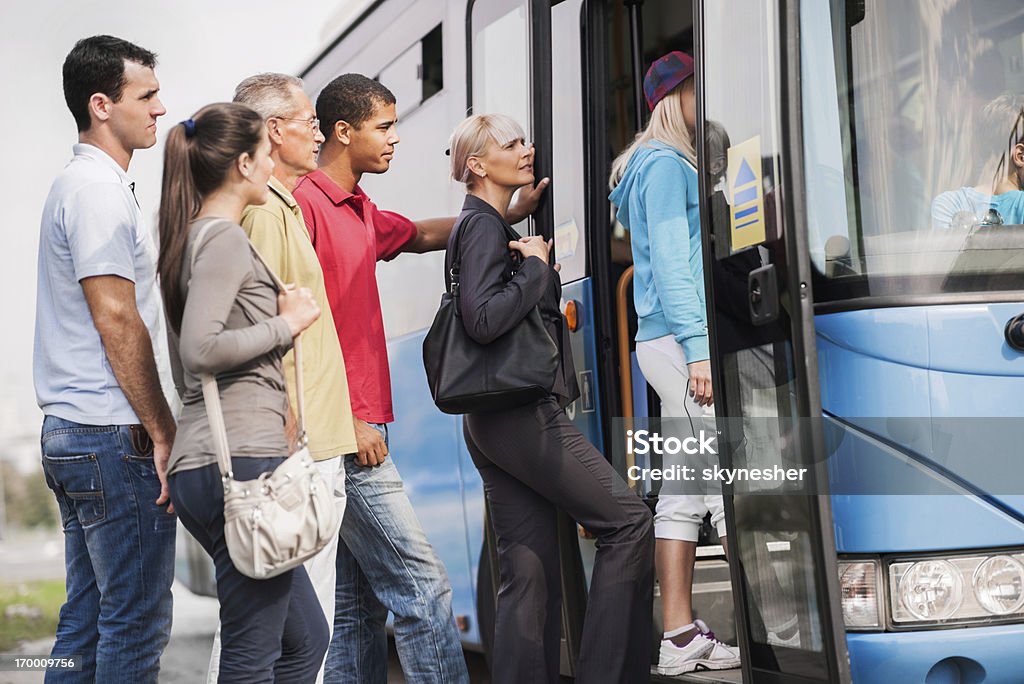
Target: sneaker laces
706,632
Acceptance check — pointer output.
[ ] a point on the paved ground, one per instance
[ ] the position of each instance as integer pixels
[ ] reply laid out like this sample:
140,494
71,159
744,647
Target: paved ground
187,654
195,619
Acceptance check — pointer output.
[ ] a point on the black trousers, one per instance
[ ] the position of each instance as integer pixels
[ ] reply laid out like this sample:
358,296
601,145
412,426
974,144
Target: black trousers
533,460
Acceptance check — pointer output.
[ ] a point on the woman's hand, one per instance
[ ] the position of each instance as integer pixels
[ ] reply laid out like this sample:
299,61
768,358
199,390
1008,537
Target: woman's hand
298,308
531,245
526,201
700,382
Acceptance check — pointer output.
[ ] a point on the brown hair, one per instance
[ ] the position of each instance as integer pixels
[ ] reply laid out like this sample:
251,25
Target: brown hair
198,156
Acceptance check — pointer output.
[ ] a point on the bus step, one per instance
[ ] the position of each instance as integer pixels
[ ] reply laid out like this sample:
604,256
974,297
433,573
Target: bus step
734,676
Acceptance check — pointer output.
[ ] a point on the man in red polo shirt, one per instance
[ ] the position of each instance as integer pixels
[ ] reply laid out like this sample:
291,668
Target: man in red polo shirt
385,562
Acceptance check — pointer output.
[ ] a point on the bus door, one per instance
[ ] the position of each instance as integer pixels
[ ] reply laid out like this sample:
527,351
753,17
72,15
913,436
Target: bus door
759,299
510,72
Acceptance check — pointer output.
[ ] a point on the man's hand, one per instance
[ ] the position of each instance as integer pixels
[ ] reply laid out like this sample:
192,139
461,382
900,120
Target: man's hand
527,201
129,350
161,457
370,445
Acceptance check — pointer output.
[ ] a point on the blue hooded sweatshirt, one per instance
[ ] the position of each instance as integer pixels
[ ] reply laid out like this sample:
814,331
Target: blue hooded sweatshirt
657,203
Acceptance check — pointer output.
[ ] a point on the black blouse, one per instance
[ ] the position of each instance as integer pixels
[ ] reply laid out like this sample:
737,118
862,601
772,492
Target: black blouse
498,288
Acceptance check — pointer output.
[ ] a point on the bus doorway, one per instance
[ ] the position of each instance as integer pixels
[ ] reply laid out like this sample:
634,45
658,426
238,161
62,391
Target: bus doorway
635,35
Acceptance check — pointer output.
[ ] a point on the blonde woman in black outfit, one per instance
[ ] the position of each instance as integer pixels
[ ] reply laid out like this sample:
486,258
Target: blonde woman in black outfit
532,458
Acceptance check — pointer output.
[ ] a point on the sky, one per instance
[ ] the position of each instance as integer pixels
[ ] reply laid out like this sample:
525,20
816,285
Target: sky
204,48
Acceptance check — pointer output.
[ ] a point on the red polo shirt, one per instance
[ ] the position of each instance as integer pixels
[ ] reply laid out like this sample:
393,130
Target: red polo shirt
350,234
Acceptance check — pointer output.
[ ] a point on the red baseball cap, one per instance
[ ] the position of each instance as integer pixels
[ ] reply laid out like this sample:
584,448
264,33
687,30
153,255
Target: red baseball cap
665,74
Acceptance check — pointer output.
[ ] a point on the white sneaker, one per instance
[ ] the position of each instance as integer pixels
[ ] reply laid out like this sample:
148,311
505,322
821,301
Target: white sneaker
704,652
721,656
677,660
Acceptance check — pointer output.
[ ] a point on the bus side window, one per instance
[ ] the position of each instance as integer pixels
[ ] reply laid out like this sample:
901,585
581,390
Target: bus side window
417,74
500,64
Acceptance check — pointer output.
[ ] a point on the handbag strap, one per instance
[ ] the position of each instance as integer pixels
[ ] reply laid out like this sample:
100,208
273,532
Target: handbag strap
211,391
453,272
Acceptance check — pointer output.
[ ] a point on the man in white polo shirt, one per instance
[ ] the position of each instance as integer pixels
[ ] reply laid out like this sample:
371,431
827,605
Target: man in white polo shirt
107,430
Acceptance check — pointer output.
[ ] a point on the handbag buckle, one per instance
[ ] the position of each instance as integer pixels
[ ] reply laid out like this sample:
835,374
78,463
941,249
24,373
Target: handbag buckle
454,273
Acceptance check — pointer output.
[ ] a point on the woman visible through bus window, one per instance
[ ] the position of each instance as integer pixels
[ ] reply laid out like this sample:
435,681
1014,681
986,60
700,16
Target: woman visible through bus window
654,186
531,458
997,197
227,318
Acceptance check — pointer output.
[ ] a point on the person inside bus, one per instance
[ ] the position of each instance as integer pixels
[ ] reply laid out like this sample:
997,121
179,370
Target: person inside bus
227,317
654,186
998,196
385,561
532,458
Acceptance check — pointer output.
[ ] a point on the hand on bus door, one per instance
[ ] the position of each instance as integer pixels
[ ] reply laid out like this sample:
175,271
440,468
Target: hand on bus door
526,201
700,382
371,449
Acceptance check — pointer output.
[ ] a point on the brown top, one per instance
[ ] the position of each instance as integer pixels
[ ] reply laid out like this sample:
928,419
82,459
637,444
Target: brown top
230,328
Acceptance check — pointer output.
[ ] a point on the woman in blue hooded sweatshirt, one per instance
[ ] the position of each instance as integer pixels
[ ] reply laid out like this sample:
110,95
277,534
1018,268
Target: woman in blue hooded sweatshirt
654,188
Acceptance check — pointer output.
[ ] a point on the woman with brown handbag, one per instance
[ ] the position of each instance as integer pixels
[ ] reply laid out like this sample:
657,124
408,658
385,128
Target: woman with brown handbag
532,459
228,318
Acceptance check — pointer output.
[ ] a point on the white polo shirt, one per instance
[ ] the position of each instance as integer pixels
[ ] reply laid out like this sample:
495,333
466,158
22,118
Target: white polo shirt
91,226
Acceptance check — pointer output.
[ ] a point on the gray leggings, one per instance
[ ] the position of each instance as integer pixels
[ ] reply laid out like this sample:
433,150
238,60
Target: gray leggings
533,459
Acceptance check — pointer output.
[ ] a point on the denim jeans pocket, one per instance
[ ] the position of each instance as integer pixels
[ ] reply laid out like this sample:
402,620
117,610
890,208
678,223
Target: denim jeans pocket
137,452
79,486
141,442
382,428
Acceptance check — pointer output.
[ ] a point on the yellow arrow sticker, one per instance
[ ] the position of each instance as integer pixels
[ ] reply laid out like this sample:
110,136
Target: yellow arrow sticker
746,198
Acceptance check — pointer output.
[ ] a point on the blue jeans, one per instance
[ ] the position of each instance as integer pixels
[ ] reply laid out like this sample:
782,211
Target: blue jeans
118,551
272,630
385,563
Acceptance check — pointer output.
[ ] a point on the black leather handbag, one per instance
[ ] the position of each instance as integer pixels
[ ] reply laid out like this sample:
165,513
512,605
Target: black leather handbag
468,377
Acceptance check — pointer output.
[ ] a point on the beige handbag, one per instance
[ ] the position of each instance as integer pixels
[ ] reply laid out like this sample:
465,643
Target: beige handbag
275,522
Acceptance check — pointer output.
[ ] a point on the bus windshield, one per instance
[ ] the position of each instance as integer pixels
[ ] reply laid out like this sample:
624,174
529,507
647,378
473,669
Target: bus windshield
913,117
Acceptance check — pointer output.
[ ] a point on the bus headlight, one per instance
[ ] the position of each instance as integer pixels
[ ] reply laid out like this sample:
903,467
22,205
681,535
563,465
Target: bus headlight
858,585
976,589
999,585
931,589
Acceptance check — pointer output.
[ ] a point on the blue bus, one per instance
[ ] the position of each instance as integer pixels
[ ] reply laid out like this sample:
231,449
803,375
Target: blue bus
872,262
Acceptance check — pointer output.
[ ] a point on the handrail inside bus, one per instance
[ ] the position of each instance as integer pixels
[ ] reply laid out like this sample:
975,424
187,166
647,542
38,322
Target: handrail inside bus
625,361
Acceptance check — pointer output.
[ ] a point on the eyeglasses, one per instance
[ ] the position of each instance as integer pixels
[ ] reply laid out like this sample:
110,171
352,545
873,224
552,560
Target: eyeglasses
313,123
